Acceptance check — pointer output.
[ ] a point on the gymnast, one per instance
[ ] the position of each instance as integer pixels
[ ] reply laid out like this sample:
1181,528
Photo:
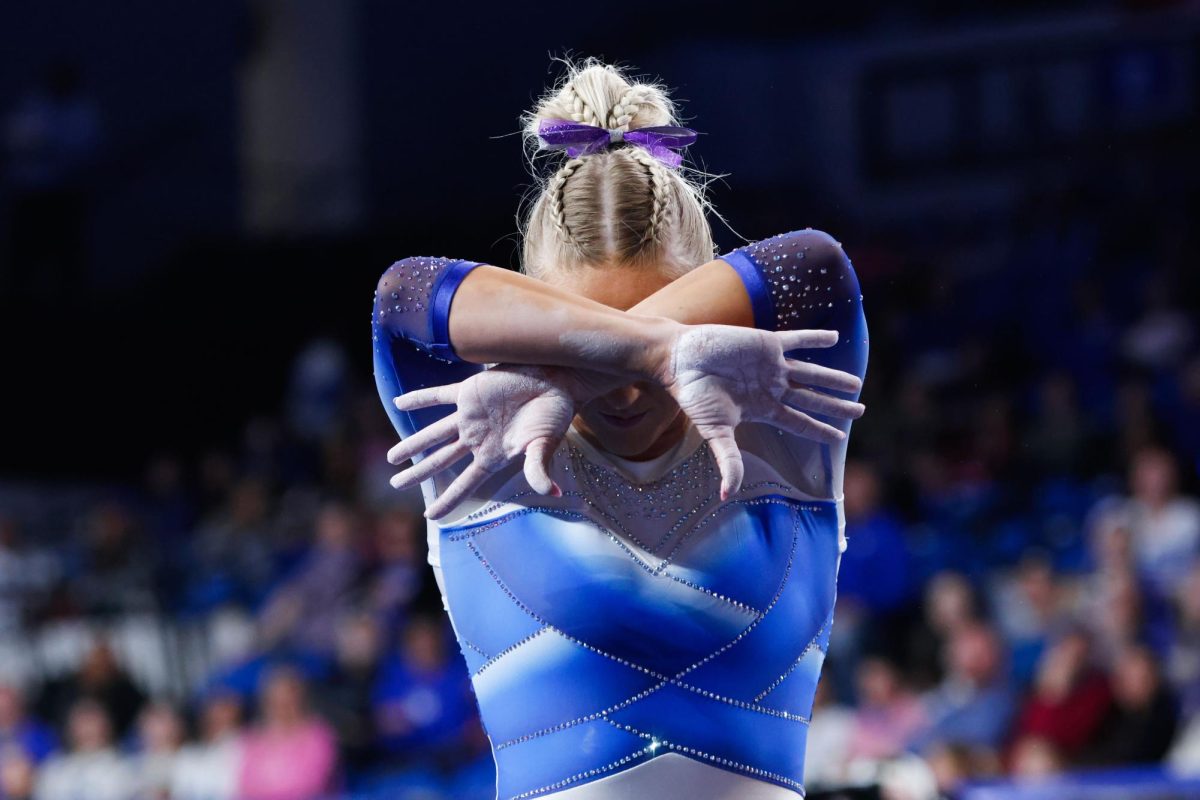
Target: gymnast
631,456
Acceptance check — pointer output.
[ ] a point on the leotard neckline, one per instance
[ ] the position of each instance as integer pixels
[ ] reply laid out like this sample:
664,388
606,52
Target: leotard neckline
640,471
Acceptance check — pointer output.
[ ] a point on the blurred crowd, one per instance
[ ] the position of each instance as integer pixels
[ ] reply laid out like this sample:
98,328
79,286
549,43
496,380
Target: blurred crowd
1020,596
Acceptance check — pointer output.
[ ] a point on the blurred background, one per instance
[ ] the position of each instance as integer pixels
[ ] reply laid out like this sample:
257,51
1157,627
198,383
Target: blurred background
209,591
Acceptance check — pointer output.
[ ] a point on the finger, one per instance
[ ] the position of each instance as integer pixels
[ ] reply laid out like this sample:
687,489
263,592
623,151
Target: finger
537,466
431,465
424,439
821,403
817,375
462,486
430,396
794,340
801,424
729,461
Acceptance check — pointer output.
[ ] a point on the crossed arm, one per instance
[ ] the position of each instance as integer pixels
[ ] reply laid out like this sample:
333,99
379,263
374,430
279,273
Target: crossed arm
557,350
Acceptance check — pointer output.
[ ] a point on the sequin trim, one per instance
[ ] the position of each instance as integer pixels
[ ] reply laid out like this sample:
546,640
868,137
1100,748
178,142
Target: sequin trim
508,650
787,572
666,562
472,646
591,773
728,763
688,488
504,588
595,715
807,649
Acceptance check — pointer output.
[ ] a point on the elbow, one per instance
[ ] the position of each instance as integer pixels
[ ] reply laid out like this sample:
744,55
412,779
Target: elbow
389,283
824,254
823,250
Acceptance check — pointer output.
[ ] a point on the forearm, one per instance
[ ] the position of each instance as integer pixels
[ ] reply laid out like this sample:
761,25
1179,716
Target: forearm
502,316
710,294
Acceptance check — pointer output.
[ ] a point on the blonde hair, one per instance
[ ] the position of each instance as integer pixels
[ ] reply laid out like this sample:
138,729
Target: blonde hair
620,206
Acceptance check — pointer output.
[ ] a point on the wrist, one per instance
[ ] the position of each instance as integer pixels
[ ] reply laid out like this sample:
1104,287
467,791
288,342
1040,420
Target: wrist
652,358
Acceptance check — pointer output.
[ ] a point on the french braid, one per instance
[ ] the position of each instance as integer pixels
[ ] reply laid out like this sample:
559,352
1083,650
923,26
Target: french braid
660,189
554,193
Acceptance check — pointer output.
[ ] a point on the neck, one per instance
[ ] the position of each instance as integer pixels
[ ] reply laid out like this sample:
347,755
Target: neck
666,440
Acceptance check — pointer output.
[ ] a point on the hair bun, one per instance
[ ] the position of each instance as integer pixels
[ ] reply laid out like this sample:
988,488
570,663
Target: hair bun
595,93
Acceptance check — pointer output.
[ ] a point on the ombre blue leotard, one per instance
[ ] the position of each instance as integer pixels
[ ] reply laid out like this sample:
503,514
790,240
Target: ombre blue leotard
638,620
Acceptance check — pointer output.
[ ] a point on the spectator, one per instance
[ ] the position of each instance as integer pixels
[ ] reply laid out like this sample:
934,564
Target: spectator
875,573
1070,698
304,611
1116,614
1036,758
953,765
209,769
92,768
1058,438
874,579
345,698
950,606
1031,609
423,702
1183,662
167,509
99,678
19,732
888,713
26,577
160,735
974,703
290,754
1111,539
17,775
317,394
400,546
1165,525
1144,718
118,571
829,735
233,550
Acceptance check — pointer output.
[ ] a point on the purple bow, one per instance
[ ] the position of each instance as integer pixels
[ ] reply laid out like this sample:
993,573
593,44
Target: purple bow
581,140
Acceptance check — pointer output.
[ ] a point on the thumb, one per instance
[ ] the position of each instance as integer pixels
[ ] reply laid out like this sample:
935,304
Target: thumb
537,466
729,461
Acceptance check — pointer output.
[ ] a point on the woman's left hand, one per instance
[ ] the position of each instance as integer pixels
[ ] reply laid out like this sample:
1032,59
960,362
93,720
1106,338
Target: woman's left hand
724,375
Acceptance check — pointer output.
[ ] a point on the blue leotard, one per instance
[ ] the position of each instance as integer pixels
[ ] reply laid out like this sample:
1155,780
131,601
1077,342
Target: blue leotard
638,615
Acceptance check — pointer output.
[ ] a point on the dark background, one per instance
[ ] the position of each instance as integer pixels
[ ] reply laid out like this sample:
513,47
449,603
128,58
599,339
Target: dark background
191,446
183,315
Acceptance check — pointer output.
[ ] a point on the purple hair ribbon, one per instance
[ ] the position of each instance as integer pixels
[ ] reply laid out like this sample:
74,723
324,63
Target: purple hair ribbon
581,140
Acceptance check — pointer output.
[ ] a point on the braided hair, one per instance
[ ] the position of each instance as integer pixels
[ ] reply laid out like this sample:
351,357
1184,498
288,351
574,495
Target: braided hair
620,205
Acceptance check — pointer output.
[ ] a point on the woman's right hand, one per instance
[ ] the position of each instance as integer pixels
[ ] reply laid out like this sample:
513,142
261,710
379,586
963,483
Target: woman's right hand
502,413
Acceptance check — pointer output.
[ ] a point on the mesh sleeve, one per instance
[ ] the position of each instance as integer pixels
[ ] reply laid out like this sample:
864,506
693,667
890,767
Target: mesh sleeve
804,280
411,335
